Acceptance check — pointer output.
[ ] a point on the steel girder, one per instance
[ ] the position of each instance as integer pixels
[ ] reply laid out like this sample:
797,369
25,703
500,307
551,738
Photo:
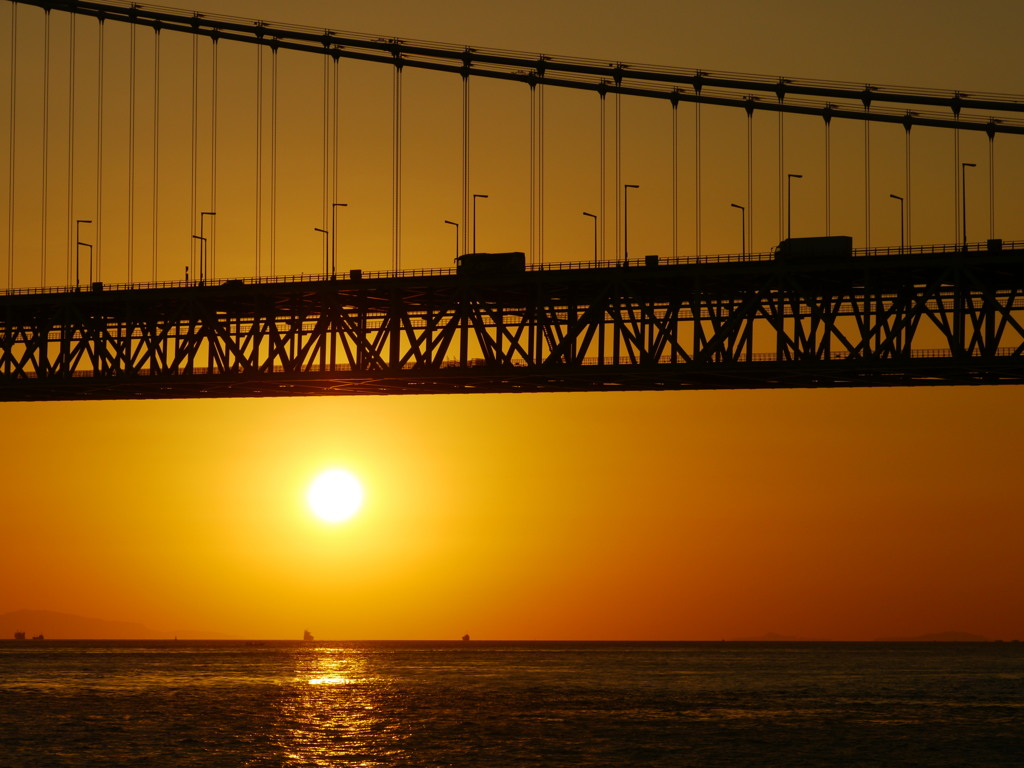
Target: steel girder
868,321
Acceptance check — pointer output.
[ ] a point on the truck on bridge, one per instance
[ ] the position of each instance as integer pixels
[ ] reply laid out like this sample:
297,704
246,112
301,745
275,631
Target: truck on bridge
486,264
802,250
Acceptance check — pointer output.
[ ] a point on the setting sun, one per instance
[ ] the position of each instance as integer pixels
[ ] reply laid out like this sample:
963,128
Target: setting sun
335,495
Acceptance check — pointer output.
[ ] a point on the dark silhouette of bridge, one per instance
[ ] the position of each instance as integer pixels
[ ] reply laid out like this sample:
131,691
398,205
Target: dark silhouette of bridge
709,324
895,316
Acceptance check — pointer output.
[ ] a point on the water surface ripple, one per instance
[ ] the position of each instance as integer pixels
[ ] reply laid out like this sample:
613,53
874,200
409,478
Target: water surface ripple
477,704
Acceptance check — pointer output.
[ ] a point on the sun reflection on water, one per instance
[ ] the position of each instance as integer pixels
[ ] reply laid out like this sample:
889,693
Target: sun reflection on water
332,711
331,681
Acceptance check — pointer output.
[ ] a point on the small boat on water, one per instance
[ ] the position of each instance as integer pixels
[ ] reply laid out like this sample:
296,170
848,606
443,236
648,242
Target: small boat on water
19,635
307,636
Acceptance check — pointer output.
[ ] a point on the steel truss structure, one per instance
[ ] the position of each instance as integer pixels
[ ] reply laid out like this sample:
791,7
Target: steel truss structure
948,318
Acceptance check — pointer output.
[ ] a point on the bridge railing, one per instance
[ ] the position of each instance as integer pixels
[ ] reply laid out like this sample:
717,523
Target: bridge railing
356,275
911,250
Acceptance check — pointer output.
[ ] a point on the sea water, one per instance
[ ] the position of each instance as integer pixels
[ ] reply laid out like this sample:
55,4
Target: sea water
511,704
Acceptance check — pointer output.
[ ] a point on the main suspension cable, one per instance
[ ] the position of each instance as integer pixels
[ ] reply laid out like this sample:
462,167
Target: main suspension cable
813,97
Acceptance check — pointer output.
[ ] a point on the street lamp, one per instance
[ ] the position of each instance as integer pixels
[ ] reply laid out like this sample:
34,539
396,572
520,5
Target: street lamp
78,244
902,237
625,220
743,228
334,237
475,197
204,250
789,203
456,225
963,195
327,236
594,217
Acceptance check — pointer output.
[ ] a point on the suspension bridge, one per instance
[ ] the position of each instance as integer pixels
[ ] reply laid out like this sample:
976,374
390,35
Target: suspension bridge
207,206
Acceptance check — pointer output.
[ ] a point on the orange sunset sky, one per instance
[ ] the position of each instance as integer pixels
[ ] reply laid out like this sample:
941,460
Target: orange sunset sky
820,514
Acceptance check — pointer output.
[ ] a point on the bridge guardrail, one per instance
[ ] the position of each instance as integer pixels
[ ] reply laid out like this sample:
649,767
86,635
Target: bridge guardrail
915,250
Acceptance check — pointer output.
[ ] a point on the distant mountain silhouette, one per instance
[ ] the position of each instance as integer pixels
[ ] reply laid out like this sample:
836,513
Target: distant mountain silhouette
65,626
938,637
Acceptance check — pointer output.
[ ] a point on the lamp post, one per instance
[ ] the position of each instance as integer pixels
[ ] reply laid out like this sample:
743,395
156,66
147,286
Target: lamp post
594,217
456,225
203,253
475,198
902,236
78,244
327,236
743,228
789,203
625,220
334,237
963,195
